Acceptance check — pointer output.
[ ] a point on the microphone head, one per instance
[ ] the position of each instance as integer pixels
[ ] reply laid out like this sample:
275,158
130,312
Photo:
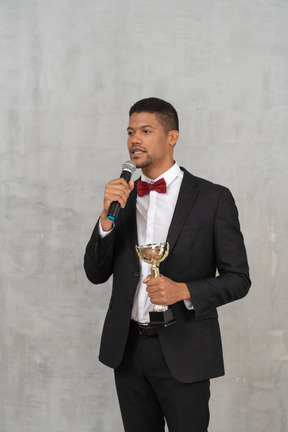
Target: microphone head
129,166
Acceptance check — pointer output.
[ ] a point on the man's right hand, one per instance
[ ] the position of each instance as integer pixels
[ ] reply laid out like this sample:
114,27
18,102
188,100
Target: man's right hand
116,190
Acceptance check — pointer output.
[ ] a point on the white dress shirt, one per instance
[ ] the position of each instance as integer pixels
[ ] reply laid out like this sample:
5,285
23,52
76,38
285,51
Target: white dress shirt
154,213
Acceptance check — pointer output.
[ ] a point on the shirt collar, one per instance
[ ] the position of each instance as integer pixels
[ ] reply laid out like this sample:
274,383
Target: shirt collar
168,176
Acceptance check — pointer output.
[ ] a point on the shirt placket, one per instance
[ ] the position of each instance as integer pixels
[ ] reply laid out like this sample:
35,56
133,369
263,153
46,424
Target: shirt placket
151,212
143,306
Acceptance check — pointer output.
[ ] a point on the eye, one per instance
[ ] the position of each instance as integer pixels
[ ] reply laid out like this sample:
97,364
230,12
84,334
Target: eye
130,133
146,131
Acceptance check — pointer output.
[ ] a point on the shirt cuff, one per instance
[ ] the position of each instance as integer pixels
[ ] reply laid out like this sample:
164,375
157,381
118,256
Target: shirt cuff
104,233
188,304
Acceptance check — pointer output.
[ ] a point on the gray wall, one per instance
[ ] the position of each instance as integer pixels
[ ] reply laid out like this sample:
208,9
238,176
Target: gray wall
70,70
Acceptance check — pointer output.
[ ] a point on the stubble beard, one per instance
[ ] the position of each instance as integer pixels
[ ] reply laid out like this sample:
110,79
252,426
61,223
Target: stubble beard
144,164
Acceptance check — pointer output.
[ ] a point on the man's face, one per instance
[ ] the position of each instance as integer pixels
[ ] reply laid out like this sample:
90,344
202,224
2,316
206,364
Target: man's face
149,146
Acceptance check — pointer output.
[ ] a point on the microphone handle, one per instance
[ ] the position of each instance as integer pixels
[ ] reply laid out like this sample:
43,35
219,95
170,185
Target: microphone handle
115,206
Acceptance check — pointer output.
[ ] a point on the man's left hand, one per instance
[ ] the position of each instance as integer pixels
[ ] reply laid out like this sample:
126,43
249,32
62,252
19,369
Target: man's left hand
164,291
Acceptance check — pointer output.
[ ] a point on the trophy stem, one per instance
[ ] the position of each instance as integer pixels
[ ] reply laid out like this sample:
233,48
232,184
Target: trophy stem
155,270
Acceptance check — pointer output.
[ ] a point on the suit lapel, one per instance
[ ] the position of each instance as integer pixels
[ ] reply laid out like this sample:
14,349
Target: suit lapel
187,196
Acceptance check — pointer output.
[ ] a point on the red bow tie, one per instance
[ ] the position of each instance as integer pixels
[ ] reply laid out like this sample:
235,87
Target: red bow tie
144,188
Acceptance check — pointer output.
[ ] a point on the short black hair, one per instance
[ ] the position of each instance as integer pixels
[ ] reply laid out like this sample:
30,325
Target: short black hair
164,111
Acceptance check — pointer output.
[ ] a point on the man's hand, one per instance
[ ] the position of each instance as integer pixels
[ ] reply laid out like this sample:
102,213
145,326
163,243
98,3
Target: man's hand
116,190
164,291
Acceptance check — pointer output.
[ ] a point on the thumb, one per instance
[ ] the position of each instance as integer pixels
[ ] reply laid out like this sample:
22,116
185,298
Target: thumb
131,185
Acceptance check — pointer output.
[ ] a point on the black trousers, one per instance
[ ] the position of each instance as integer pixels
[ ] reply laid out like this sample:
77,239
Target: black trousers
148,394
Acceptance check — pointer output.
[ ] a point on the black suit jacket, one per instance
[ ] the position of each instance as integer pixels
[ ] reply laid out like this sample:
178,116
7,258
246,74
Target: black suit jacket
204,236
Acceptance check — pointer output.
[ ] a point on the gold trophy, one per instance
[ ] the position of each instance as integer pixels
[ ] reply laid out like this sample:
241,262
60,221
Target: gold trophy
154,254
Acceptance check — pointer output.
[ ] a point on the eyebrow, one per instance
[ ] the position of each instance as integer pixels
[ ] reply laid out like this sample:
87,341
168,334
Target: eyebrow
142,127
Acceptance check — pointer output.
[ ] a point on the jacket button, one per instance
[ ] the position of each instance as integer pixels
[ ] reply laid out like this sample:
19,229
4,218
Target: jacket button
129,305
137,274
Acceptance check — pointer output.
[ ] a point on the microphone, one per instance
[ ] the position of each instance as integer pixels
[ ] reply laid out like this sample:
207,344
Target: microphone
128,169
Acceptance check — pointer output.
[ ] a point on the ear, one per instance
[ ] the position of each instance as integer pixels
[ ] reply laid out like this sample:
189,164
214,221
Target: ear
173,137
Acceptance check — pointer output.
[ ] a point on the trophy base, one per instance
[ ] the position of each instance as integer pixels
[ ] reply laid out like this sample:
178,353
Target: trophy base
162,319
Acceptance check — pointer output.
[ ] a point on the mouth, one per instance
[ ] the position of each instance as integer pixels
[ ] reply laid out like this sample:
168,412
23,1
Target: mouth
136,152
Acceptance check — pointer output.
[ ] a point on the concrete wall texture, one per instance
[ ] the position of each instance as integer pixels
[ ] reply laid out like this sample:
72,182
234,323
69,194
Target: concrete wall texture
70,70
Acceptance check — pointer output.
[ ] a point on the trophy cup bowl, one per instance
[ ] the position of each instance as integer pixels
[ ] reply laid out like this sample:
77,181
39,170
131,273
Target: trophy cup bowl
154,254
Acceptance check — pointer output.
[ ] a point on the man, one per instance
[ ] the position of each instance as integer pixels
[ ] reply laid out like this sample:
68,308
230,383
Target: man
164,373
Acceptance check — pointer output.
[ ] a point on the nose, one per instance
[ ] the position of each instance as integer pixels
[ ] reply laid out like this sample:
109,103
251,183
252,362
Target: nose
136,137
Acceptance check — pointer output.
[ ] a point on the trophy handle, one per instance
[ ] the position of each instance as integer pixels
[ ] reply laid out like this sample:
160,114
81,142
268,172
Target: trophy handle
165,253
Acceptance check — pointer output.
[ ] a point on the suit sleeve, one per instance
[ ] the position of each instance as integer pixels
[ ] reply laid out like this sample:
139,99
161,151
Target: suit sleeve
233,281
99,256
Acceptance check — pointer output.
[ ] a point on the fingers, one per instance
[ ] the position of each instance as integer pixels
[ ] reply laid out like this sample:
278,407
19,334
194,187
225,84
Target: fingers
117,190
157,290
149,277
164,291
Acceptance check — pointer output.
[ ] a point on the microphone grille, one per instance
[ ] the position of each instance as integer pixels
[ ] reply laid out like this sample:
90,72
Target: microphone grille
129,166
